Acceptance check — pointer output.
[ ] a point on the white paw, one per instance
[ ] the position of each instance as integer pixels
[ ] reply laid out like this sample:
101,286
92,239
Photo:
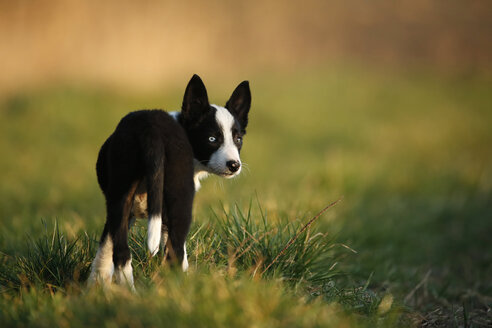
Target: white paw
124,275
102,267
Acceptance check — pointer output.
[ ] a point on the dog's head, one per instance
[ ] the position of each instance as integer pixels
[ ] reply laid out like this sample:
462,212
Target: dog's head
215,132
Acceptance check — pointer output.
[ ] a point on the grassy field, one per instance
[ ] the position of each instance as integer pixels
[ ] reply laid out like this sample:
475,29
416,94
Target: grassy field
409,244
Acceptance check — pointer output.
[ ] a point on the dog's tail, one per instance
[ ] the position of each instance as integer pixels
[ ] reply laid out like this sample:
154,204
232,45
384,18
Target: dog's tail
155,186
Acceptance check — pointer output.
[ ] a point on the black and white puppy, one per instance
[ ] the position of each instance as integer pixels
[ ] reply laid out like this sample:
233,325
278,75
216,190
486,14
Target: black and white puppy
151,166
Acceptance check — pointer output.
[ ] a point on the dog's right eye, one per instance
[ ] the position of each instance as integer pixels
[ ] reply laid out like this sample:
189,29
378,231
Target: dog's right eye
211,139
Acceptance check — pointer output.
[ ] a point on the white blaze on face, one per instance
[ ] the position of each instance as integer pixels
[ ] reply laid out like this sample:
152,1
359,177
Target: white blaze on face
228,150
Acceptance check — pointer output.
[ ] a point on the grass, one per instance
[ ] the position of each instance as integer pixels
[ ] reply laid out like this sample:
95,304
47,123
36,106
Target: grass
51,262
408,245
262,266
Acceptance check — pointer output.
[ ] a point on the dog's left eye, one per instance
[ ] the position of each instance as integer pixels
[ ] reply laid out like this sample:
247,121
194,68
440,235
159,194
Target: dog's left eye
211,139
239,140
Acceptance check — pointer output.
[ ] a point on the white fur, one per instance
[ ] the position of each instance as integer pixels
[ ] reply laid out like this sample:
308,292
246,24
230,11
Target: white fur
228,150
184,265
154,233
200,172
124,275
174,115
102,266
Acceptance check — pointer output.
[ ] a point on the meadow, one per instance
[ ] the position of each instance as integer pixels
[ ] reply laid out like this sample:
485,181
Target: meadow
407,152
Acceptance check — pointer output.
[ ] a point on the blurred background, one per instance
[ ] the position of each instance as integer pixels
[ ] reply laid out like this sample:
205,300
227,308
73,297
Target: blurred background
386,104
148,43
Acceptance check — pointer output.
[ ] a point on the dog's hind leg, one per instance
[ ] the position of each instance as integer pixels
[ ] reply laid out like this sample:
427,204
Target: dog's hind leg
102,266
179,191
113,255
179,225
121,252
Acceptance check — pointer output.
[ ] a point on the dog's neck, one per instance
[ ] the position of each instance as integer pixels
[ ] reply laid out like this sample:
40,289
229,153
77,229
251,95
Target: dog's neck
200,171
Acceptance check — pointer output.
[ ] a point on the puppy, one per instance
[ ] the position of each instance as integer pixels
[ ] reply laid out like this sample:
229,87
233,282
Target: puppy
151,166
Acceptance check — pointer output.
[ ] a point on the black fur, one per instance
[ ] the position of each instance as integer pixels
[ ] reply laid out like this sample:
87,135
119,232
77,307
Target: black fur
152,152
240,103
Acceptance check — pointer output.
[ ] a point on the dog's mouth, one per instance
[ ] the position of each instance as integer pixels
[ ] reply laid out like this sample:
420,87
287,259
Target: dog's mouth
224,174
229,175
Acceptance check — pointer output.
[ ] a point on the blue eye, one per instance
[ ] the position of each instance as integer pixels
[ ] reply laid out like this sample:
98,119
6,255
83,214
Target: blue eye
211,139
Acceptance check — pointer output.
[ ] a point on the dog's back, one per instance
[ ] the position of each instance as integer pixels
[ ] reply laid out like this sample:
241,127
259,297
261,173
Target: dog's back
150,135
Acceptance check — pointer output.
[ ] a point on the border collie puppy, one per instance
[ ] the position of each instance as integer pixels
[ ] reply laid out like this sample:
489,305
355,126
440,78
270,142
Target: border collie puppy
150,168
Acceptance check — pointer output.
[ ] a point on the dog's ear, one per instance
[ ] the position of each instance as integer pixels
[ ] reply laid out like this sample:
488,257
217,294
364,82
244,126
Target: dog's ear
240,102
195,101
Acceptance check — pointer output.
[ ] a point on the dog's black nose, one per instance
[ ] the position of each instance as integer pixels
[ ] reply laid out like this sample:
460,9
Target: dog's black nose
233,166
